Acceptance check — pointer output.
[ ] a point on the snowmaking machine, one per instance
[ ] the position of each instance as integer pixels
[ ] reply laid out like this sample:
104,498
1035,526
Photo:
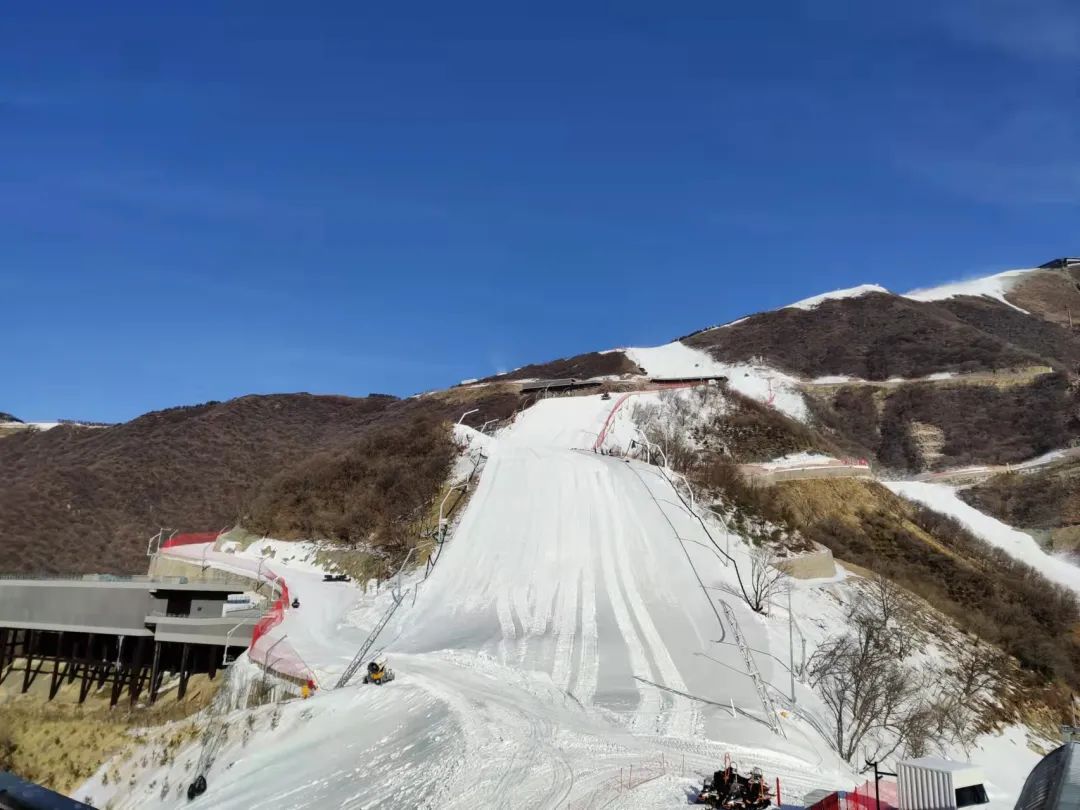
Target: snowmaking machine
729,789
378,672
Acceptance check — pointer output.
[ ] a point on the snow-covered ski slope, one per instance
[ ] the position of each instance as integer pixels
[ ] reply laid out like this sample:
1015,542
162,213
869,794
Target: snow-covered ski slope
586,568
571,635
1020,545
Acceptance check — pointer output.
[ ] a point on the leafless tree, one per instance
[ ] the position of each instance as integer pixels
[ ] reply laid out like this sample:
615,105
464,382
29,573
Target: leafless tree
874,700
765,581
963,692
884,602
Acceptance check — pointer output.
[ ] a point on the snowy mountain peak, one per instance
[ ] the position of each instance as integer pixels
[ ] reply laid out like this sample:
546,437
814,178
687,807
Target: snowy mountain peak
850,292
995,286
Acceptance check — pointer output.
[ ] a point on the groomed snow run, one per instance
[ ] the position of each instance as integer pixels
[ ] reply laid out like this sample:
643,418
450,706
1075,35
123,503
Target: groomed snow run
995,286
678,361
1019,545
851,292
570,650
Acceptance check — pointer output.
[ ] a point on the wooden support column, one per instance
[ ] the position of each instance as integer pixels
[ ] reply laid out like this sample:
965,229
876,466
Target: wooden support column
120,676
3,652
183,672
87,682
103,671
54,687
28,657
138,677
155,671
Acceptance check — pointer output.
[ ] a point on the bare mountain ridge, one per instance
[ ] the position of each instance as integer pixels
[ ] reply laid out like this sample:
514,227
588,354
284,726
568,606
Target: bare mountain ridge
877,335
77,500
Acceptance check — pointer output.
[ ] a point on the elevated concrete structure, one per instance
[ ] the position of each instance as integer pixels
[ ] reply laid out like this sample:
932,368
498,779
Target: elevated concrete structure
124,631
126,607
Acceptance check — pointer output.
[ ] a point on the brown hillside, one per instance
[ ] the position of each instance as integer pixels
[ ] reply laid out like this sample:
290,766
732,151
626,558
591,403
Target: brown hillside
921,426
1048,499
87,500
1050,294
874,337
1052,342
984,589
593,364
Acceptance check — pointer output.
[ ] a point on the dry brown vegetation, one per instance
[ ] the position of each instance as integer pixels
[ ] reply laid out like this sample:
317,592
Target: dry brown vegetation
983,589
372,492
874,337
749,431
77,500
984,424
1051,294
1053,342
1048,499
60,744
582,366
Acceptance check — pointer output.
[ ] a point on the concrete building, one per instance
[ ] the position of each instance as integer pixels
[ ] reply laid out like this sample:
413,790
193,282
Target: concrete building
125,631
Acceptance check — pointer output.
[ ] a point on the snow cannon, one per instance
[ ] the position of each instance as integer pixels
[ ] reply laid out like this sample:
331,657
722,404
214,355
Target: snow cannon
378,673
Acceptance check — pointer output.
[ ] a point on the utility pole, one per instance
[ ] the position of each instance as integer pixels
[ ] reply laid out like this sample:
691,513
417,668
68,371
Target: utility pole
791,643
877,778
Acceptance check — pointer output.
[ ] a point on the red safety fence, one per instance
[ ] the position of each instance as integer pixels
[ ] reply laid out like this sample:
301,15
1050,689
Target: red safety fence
863,797
190,539
276,614
607,422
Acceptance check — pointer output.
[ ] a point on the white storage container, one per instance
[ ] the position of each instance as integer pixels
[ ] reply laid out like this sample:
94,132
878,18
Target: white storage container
933,783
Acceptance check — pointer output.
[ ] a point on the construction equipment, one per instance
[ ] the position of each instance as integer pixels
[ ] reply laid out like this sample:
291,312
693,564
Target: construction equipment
729,789
378,672
354,665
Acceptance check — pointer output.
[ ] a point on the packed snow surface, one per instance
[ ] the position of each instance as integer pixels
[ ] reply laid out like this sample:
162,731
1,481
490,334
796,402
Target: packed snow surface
995,286
1017,544
569,650
679,361
850,292
796,460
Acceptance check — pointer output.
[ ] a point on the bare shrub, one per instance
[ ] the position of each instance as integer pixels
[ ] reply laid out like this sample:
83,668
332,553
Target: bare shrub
872,697
765,580
8,747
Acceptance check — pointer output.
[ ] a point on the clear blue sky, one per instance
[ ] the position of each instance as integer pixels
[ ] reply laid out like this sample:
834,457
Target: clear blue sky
207,200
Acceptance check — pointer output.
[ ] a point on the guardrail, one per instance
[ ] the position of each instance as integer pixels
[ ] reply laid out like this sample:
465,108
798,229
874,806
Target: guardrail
95,578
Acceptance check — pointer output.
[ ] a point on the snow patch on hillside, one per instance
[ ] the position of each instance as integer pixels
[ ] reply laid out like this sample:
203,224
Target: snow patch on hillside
851,292
679,361
1017,544
797,460
995,286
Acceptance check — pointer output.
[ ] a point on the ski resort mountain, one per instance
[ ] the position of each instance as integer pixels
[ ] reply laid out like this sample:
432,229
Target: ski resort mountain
599,579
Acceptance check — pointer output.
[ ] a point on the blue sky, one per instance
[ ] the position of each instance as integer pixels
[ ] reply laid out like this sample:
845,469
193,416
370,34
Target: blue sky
198,202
